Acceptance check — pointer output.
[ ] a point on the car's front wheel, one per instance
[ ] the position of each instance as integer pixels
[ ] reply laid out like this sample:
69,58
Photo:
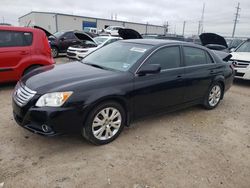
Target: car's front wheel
104,123
214,96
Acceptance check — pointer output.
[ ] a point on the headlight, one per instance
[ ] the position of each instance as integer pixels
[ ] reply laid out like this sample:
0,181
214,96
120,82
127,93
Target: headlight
56,99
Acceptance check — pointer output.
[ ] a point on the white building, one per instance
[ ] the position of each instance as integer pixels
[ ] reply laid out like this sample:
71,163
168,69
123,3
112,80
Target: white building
54,22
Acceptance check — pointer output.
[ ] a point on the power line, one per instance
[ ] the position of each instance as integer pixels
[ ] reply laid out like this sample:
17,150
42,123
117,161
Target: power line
236,18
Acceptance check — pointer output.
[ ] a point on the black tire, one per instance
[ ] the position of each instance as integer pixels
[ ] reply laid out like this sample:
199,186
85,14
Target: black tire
87,132
207,104
28,70
54,51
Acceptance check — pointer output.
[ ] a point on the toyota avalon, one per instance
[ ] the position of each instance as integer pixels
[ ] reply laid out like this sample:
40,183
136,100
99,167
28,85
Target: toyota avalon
118,83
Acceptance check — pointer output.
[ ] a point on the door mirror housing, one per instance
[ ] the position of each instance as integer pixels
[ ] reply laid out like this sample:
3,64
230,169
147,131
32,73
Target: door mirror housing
149,69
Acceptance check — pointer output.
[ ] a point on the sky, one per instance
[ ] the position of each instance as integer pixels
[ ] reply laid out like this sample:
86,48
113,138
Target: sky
219,14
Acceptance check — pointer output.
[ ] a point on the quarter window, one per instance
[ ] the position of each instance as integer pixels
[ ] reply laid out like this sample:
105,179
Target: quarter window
167,58
15,38
195,56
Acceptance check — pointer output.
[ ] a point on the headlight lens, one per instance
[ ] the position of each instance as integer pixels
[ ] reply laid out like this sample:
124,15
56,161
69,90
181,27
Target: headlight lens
56,99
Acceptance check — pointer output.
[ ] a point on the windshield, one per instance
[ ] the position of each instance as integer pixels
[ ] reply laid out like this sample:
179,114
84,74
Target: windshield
119,56
58,34
100,40
245,47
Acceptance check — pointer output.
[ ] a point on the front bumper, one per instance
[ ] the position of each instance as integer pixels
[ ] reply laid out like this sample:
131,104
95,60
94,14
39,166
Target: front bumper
58,120
242,73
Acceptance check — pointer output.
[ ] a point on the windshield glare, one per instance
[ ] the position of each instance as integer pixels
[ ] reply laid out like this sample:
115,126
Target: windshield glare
119,56
100,40
245,47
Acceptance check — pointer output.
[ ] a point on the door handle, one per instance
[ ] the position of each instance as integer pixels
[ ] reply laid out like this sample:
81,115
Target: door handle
212,72
24,52
179,78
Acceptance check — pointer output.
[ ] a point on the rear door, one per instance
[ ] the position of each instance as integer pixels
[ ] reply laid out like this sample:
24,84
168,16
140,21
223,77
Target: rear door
67,40
14,49
156,92
200,69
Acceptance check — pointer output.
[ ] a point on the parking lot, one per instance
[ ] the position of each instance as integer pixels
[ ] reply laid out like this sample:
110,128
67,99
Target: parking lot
189,148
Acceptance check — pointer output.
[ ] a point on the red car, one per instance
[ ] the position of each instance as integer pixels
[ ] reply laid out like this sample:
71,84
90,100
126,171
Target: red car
22,50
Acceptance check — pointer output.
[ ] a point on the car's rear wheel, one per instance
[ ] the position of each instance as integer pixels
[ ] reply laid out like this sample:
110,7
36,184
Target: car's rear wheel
104,123
54,51
214,96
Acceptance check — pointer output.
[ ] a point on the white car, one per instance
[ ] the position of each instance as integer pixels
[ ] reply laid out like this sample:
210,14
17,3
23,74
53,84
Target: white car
241,60
78,52
113,30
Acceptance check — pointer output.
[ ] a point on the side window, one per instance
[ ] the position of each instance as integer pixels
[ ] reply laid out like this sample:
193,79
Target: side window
195,56
209,59
15,38
167,58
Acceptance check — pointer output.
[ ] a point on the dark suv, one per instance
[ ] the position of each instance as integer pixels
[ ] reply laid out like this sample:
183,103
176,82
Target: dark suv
60,41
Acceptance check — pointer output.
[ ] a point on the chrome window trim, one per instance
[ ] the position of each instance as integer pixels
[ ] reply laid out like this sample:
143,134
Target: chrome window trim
167,45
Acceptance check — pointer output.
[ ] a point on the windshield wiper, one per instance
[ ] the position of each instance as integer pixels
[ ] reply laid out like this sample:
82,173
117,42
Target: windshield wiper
94,65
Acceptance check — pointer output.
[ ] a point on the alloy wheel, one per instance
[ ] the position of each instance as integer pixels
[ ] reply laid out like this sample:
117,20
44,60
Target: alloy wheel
106,123
214,96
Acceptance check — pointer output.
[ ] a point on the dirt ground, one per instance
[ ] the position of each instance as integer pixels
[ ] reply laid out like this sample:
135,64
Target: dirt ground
189,148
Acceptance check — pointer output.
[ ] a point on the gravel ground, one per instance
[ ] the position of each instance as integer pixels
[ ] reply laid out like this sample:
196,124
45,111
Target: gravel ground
189,148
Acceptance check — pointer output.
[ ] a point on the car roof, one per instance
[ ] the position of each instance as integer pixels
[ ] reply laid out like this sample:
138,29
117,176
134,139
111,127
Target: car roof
15,28
157,42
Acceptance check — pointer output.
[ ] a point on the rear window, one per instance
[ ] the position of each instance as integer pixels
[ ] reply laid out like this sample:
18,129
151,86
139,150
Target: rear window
195,56
15,38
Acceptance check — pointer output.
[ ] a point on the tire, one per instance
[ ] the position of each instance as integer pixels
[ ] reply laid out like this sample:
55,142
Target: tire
28,70
54,52
213,96
100,130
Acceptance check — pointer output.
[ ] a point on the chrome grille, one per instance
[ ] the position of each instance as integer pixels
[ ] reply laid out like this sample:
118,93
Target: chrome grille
240,64
23,94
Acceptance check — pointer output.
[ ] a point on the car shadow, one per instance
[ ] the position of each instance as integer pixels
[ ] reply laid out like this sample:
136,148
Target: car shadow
240,82
7,86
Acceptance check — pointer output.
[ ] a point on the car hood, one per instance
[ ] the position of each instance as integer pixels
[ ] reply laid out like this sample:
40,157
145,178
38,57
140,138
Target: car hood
64,77
242,56
212,39
45,31
129,34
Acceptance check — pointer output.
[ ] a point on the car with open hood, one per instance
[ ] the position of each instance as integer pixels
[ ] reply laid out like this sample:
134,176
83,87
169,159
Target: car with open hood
214,41
80,51
60,41
118,83
241,60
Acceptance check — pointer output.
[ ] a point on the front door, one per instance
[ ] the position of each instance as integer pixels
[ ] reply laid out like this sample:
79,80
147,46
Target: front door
156,92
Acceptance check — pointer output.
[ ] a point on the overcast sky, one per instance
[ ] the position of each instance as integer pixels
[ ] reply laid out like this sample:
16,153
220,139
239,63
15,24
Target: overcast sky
219,14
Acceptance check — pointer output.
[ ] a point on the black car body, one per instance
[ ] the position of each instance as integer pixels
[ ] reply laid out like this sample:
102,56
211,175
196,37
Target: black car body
60,41
149,85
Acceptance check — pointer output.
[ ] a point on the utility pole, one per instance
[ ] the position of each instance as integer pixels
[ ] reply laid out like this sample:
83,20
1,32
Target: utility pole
236,18
166,26
183,30
201,22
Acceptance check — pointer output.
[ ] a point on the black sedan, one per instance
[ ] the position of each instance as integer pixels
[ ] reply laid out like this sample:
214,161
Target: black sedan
117,84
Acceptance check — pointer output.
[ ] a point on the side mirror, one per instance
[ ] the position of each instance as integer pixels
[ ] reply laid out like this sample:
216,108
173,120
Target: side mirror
149,69
232,50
